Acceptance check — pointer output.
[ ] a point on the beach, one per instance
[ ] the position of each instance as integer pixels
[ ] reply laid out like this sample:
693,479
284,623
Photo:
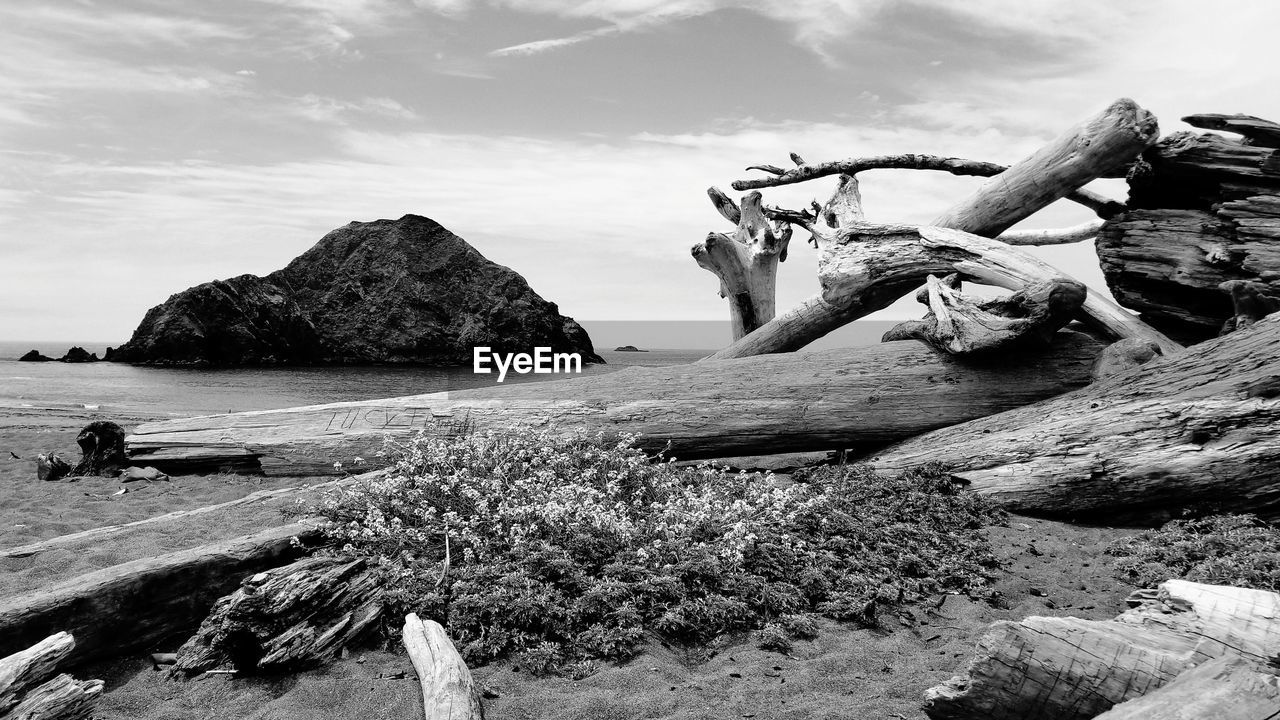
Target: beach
846,672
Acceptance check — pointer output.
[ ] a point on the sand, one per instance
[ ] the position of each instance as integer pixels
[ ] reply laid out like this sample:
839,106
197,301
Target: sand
1050,569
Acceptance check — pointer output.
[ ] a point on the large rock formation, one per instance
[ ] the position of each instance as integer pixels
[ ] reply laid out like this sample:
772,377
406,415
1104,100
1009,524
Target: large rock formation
389,291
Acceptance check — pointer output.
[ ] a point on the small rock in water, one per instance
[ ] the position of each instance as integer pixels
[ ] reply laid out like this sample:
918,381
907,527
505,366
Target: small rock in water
35,356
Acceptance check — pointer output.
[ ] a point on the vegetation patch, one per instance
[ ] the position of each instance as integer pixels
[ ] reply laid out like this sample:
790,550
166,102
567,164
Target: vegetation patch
565,550
1238,550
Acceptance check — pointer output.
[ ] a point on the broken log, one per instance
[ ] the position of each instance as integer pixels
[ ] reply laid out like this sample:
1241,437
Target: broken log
1204,210
1195,430
102,449
1071,669
829,400
288,618
960,325
1255,130
448,690
870,266
1228,688
29,688
1088,151
746,262
140,603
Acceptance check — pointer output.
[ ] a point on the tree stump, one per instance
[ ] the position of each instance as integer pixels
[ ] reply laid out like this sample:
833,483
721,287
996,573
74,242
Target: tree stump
102,445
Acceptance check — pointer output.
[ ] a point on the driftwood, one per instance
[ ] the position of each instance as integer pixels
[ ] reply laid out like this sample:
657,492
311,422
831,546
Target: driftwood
1088,151
959,324
870,266
1123,356
1251,301
111,531
29,688
448,690
1055,668
140,603
1228,688
102,449
288,618
746,262
829,400
1205,210
1196,429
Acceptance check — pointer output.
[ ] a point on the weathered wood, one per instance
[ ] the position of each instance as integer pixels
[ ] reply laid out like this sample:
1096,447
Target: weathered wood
62,698
1255,130
829,400
1205,210
448,690
746,262
960,325
870,266
1099,145
137,604
27,668
1073,669
1123,356
1193,430
1083,153
1053,236
1251,301
110,531
102,449
287,618
1228,688
30,690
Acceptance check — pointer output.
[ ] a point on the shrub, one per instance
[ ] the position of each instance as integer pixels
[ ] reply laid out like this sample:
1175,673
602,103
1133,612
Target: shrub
562,549
1238,550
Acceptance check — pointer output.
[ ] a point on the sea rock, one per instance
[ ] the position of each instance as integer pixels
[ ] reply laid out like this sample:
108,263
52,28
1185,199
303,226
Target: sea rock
78,355
388,291
628,348
35,356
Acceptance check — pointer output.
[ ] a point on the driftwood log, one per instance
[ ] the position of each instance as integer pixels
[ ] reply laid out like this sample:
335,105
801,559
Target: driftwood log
747,261
31,689
959,324
1093,149
830,400
870,266
287,618
1204,210
1228,688
448,690
137,604
1072,669
1193,430
102,449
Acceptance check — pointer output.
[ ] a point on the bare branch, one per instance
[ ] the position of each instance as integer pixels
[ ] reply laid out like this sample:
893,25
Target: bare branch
1101,205
1055,236
724,205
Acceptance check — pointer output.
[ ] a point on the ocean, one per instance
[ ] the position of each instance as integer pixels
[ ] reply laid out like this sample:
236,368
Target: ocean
108,388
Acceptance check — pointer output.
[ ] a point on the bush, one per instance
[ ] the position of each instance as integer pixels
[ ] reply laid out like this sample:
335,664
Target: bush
565,549
1238,550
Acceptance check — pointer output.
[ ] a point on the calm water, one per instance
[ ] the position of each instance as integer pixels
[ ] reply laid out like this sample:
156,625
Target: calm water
115,387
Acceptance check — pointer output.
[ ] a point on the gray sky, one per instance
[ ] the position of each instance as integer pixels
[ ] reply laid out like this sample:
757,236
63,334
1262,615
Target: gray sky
150,145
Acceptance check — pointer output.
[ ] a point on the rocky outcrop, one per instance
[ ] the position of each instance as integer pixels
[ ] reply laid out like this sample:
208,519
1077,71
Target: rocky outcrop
78,355
388,291
35,356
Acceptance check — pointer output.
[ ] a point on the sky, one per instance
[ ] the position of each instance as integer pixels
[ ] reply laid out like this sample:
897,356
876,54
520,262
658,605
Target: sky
151,145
